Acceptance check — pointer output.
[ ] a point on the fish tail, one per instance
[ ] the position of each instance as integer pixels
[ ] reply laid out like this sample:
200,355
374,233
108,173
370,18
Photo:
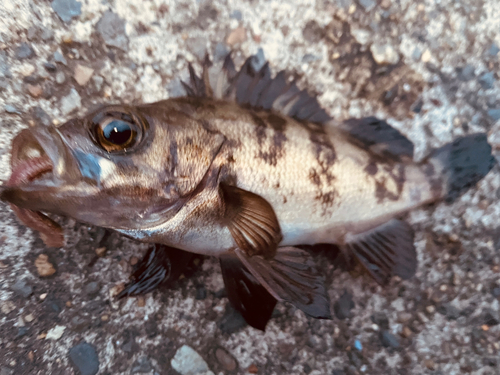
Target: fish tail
459,165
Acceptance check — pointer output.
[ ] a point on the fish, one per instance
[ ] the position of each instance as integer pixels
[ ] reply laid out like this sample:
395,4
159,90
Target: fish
245,167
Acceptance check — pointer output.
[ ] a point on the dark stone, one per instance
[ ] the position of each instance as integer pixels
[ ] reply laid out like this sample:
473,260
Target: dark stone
84,358
92,288
53,305
201,292
465,73
309,57
22,288
4,67
487,80
79,323
141,366
48,91
112,29
231,321
389,340
24,51
338,372
417,106
50,67
355,358
67,9
221,293
343,306
21,332
41,116
307,368
491,317
496,290
32,79
206,13
312,32
129,345
381,320
490,361
258,60
450,311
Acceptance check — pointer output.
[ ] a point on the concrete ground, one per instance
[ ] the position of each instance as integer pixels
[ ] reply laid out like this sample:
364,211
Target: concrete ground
430,67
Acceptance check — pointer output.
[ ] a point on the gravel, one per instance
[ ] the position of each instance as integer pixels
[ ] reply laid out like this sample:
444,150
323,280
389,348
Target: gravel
444,85
22,288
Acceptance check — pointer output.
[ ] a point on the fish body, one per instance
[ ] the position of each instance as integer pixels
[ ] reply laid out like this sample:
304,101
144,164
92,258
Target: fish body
246,168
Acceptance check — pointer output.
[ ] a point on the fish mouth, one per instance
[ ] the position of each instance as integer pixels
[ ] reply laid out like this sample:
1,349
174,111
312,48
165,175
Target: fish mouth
39,163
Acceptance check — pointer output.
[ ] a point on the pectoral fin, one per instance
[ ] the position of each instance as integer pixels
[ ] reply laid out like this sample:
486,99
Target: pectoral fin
386,250
291,276
251,221
245,293
160,265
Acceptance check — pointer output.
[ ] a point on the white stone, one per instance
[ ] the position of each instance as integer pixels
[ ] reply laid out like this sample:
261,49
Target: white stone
384,54
55,333
187,361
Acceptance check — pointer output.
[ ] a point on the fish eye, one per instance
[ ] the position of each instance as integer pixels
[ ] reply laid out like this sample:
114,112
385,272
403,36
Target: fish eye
117,134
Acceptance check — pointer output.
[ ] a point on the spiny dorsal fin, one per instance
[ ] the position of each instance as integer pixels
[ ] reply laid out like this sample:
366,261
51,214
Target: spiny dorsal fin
254,87
379,137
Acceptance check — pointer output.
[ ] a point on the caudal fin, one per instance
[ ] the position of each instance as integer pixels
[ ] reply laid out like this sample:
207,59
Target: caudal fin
459,165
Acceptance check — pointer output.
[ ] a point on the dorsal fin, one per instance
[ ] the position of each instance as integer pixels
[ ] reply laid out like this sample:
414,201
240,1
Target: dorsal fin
379,137
252,86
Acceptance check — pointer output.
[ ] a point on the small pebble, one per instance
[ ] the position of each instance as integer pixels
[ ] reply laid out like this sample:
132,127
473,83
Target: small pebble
50,67
493,50
367,5
487,80
141,302
31,356
34,90
55,333
430,309
29,318
491,317
389,340
426,56
133,261
187,361
84,358
231,321
43,266
406,332
201,292
100,251
384,54
83,74
253,369
237,36
141,366
70,102
112,29
60,78
67,9
58,57
494,114
7,307
92,288
357,345
22,288
24,51
226,360
343,306
429,363
41,116
12,110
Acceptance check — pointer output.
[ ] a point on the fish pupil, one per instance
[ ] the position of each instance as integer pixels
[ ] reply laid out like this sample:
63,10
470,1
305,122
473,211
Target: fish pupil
117,132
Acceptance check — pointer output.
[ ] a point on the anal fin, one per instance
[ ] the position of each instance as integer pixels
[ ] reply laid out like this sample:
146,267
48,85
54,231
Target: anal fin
245,292
385,251
291,276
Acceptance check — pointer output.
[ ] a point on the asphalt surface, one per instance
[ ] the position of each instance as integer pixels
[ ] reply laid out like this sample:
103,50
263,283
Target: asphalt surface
431,68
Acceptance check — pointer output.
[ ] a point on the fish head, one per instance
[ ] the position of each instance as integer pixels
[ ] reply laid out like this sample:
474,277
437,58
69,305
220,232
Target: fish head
120,167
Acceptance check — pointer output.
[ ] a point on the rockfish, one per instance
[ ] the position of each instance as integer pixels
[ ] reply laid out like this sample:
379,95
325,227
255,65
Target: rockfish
245,167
